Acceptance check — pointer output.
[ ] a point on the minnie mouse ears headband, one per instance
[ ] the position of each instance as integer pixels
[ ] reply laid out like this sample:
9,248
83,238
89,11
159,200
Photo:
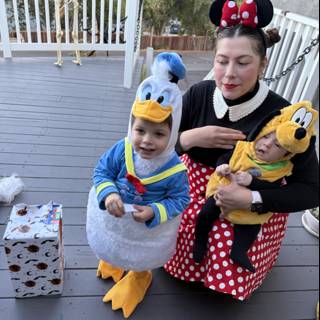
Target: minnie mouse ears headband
252,13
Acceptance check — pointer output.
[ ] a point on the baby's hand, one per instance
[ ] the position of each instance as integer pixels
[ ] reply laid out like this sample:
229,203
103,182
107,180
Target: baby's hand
143,213
223,170
243,178
114,205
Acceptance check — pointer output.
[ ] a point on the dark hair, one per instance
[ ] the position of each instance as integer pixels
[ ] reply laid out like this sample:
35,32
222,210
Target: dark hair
262,40
167,121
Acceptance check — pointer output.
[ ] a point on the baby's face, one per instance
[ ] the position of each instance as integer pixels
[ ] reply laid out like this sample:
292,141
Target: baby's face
149,139
268,149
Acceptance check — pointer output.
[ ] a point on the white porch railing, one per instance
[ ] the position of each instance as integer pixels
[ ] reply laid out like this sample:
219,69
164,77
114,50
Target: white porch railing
297,33
110,25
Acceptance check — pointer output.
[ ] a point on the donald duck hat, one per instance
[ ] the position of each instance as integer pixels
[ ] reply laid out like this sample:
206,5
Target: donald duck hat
159,97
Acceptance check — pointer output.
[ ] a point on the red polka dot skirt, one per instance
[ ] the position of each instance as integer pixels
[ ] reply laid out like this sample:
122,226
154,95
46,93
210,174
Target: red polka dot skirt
217,271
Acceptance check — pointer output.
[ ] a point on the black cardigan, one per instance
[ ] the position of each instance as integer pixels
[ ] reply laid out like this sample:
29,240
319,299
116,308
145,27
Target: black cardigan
302,190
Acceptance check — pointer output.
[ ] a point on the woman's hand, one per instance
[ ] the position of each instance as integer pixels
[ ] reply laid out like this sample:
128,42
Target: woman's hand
233,196
143,213
210,137
114,205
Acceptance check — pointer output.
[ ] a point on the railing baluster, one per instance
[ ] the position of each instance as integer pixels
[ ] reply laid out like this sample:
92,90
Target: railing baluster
4,32
304,76
102,21
47,10
66,22
16,20
85,25
129,57
290,82
36,8
118,21
93,39
110,21
27,15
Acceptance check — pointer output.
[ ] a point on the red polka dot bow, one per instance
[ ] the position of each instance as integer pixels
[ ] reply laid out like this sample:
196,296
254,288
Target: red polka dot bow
247,15
140,188
252,13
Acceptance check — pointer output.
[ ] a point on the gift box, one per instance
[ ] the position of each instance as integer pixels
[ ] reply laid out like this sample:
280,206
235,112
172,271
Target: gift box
34,249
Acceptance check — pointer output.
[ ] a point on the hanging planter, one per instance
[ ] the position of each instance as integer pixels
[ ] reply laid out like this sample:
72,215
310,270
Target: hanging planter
310,220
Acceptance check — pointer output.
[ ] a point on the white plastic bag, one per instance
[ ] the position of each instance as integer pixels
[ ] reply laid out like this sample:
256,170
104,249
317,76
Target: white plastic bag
9,188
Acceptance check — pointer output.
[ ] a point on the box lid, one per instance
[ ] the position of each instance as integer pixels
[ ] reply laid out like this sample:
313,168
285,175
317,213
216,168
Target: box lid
34,221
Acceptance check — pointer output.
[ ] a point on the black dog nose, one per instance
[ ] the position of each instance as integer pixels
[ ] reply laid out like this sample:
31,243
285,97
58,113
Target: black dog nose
300,133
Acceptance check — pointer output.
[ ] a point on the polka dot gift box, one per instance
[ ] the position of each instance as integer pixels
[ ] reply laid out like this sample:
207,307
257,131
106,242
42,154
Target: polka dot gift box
34,249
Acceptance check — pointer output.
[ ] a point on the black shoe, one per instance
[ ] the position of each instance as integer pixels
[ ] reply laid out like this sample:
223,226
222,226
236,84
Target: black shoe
242,259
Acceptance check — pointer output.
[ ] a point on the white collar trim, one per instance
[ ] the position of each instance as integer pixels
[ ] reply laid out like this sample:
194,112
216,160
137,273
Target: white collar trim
239,111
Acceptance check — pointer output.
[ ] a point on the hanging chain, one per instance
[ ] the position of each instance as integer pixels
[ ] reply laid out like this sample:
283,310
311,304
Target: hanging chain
136,39
306,51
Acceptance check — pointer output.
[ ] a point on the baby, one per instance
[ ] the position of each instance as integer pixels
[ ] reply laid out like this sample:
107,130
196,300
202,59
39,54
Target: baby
259,164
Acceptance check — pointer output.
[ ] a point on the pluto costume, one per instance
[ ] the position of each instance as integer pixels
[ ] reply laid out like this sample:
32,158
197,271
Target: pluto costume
294,128
162,183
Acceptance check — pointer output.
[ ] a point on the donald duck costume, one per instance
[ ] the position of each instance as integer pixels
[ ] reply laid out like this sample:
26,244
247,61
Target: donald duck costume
161,183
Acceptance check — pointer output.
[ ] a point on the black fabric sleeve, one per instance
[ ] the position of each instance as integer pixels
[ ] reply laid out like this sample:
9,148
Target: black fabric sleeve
259,184
225,158
185,118
302,189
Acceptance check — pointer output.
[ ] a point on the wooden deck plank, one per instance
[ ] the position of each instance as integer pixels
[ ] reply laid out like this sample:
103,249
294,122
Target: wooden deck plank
76,235
264,306
81,257
54,125
83,282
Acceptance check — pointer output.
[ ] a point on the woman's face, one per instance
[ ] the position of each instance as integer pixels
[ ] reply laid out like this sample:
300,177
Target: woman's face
236,66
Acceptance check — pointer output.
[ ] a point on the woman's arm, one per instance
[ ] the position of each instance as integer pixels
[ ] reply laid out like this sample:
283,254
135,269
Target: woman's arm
204,137
300,193
210,137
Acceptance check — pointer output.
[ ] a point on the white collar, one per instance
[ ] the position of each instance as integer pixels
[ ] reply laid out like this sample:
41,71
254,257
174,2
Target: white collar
239,111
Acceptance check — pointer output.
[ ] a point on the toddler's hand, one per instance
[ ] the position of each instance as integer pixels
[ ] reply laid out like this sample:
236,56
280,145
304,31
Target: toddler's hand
223,170
243,178
143,213
114,205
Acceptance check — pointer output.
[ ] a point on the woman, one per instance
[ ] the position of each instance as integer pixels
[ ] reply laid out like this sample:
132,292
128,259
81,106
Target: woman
216,114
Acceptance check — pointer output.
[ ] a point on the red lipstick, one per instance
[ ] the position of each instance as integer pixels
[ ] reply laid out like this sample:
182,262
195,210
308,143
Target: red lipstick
229,86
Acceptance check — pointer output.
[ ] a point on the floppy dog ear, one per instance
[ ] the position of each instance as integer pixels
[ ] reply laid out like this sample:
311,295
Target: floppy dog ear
256,130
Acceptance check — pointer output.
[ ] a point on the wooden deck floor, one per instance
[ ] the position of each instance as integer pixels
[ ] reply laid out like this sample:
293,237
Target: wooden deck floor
54,124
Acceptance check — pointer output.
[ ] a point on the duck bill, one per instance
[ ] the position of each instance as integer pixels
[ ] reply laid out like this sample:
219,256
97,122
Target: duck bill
151,110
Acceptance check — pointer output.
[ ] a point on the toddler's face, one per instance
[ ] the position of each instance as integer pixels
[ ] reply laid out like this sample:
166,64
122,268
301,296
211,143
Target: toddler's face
149,139
268,149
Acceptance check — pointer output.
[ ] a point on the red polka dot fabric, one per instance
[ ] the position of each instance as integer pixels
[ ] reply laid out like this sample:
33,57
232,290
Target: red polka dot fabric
217,271
247,15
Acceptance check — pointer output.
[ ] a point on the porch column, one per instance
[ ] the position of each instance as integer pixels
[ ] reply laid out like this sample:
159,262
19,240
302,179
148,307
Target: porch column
130,32
4,31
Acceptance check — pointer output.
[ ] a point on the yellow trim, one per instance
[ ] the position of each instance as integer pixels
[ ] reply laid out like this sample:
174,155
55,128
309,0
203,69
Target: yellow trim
130,167
163,212
129,158
161,176
102,186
